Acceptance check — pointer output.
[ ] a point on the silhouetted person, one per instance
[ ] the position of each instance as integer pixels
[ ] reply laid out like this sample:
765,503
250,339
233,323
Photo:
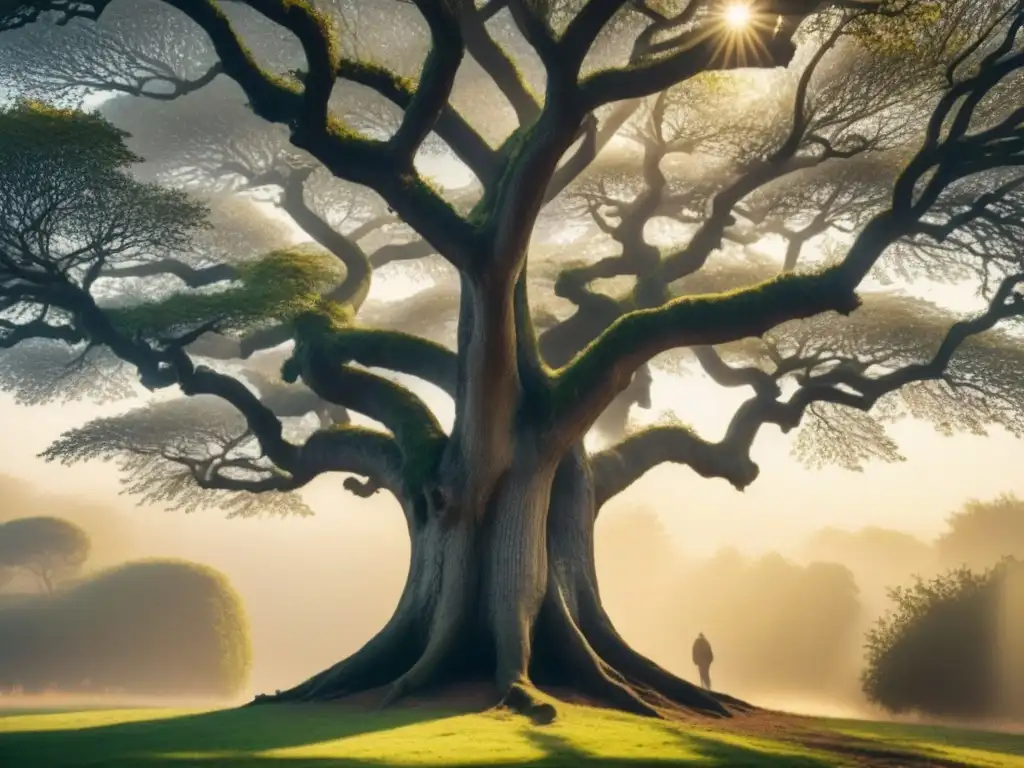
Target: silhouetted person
702,657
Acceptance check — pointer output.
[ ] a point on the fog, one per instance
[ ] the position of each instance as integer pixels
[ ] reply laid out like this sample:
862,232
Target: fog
786,615
784,578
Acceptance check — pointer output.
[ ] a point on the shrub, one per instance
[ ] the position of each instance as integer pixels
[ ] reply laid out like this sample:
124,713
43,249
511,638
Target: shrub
149,627
943,650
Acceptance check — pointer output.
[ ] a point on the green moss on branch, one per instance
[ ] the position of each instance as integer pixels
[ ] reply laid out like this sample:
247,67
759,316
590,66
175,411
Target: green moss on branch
278,287
583,387
326,343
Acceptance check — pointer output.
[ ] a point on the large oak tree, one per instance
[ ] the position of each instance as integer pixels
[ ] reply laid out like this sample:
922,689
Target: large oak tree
642,186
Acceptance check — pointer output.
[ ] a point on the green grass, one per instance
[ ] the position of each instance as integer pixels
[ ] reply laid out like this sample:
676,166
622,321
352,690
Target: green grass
970,747
331,737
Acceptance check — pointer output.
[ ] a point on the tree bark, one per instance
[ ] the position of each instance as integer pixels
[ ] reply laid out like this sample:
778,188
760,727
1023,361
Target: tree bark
511,594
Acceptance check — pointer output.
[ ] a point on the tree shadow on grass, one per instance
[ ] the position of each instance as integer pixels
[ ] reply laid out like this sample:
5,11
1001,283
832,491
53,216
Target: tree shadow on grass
233,738
238,731
707,752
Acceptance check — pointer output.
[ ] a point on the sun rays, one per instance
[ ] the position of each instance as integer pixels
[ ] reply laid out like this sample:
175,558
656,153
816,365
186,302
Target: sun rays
737,16
740,29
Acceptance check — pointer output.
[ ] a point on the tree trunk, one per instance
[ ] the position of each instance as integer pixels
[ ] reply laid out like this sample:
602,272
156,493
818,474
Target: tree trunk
511,596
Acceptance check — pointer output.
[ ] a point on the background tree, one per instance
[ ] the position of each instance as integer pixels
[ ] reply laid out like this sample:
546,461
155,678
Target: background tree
49,548
982,533
941,651
879,558
780,628
891,148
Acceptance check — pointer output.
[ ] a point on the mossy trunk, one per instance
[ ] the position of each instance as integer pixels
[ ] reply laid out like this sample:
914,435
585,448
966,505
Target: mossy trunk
511,597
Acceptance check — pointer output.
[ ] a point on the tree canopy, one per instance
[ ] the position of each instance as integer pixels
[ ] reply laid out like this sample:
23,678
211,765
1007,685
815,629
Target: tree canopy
591,195
982,533
47,547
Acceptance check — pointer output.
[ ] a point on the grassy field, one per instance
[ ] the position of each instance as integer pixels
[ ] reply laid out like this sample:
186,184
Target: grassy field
331,737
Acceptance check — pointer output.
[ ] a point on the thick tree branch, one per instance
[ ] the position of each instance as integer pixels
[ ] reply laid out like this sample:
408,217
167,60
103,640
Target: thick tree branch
502,70
374,164
698,51
584,388
416,430
436,81
453,129
193,277
350,450
534,27
393,351
583,30
617,468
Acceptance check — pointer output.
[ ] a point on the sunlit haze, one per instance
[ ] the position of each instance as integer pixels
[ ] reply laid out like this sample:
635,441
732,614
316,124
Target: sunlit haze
787,576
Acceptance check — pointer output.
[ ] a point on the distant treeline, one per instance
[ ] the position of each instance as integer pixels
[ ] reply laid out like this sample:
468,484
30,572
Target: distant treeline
793,627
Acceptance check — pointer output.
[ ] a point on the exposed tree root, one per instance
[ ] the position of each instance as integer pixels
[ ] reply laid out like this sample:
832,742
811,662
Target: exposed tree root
589,672
522,698
507,601
638,669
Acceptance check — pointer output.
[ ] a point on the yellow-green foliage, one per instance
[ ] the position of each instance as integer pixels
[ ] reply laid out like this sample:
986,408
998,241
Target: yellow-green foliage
149,627
30,130
898,34
278,287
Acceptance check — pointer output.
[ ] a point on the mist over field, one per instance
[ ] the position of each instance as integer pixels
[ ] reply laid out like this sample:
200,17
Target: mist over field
788,628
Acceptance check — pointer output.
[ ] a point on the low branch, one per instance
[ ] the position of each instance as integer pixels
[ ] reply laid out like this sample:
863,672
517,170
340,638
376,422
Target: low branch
193,277
416,430
393,351
357,451
349,450
617,468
